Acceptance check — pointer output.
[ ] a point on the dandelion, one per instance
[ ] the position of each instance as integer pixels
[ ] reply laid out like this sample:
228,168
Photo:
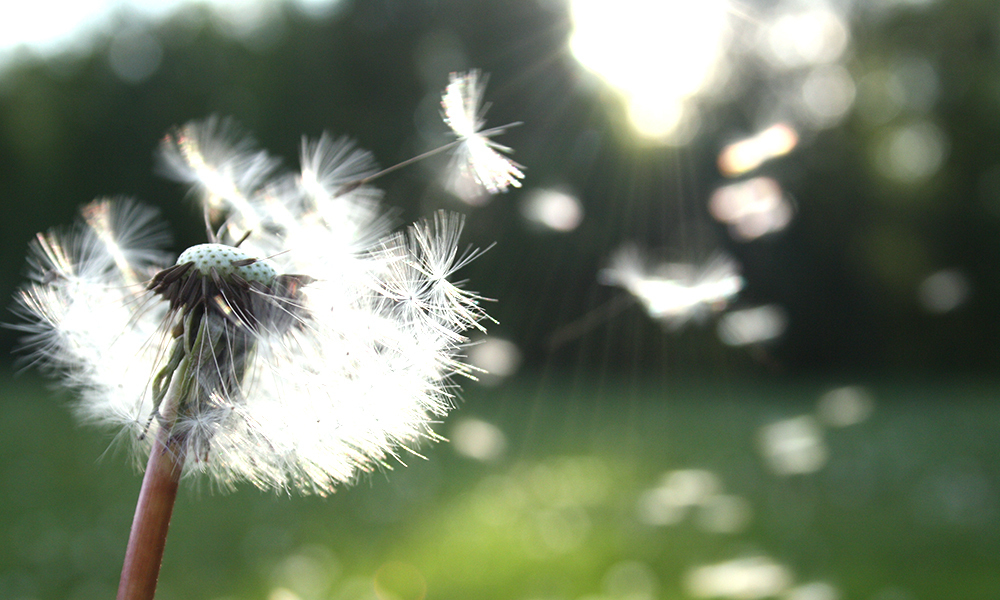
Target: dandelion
674,293
350,341
303,345
477,154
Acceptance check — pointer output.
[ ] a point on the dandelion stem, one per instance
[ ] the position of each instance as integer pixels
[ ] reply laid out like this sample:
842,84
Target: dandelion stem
144,553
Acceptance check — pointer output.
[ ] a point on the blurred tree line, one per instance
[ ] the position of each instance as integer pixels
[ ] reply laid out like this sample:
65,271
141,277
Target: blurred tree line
847,270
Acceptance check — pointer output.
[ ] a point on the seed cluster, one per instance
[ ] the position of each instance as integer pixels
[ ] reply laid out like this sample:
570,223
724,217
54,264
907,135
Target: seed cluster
228,261
224,281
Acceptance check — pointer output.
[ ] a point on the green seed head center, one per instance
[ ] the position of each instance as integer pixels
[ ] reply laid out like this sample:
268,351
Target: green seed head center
228,261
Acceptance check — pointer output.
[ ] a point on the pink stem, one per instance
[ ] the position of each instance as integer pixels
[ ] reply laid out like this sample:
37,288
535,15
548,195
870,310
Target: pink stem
152,519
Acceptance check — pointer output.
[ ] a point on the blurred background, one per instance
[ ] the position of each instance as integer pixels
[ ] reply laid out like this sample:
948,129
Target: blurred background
747,338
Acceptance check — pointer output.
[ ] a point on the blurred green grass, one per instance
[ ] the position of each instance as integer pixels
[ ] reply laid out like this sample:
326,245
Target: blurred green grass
907,506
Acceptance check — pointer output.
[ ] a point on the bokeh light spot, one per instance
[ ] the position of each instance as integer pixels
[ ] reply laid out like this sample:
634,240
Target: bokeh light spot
631,580
659,507
558,530
912,153
677,492
497,357
724,513
134,55
751,208
845,406
817,590
478,439
747,154
692,486
810,37
553,209
827,94
282,594
914,84
944,291
794,446
308,573
752,325
740,579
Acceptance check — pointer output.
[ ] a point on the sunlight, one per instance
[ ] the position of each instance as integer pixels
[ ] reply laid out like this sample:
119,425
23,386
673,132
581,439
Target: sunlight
658,55
36,24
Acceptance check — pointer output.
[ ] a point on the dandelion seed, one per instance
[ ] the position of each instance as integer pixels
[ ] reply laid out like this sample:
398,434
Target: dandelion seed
303,345
674,293
477,155
219,162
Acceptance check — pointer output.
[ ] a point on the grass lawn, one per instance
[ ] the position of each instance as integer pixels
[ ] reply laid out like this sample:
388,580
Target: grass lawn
636,491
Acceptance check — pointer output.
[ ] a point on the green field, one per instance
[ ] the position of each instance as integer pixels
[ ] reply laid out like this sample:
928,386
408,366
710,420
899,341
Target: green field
905,506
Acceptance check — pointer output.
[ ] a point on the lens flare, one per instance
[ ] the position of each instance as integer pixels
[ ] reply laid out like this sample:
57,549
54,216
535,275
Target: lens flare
658,55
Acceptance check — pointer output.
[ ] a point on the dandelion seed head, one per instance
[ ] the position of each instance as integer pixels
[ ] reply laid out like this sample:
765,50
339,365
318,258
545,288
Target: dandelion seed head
304,345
